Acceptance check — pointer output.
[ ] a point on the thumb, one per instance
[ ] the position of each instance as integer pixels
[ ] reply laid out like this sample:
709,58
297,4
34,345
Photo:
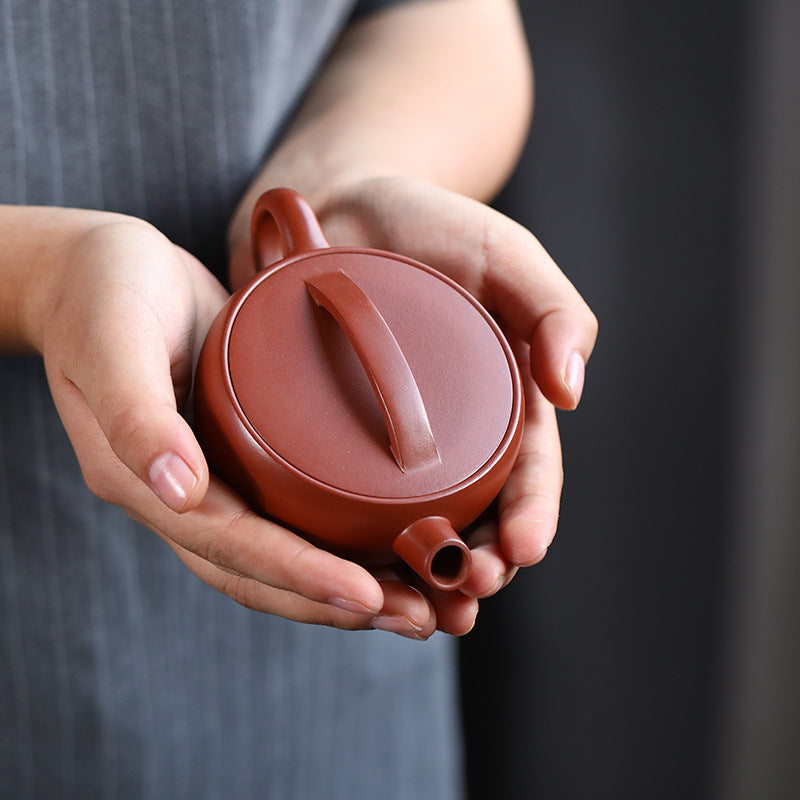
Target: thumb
127,386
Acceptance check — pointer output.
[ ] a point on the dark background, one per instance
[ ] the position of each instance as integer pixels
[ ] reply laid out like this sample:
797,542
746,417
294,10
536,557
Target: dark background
595,674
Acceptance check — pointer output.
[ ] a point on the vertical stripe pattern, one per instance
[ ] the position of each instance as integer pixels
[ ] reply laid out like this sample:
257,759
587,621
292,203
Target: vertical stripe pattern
122,675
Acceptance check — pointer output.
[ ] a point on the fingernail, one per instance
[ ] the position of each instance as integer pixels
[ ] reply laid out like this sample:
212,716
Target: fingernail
351,605
574,375
172,480
399,625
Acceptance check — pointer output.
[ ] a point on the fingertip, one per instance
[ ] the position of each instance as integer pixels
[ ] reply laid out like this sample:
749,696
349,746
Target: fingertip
173,481
487,573
525,537
405,611
157,444
179,481
366,596
539,557
460,619
573,377
559,353
178,474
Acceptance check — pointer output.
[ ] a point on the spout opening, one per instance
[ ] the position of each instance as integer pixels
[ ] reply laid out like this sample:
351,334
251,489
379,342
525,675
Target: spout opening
448,563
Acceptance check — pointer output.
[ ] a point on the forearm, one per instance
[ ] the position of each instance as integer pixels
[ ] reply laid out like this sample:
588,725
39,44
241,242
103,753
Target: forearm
440,91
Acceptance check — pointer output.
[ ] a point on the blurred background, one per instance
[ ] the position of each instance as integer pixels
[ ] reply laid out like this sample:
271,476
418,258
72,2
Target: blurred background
656,651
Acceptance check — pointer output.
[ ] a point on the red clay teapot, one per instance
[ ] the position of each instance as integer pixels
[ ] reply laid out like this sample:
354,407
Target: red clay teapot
358,397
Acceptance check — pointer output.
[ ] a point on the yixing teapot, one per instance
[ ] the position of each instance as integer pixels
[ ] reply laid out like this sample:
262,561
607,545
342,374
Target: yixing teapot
358,397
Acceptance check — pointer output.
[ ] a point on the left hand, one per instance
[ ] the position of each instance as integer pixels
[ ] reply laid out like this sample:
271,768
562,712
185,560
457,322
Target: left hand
549,326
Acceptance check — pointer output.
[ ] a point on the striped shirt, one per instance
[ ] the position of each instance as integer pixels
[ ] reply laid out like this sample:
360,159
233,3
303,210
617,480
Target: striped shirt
122,675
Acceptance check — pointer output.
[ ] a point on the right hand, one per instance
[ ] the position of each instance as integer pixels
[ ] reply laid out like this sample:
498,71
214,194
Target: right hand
548,324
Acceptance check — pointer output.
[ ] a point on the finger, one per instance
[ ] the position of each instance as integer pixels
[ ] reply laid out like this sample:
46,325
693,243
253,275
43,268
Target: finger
541,306
221,530
139,419
452,612
227,534
268,599
498,261
405,611
510,271
124,370
455,611
529,502
490,570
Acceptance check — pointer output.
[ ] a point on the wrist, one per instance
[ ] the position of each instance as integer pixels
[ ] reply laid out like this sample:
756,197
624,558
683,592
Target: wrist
41,244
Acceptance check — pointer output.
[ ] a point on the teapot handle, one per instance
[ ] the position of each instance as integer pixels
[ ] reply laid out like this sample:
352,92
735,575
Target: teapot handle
410,435
283,225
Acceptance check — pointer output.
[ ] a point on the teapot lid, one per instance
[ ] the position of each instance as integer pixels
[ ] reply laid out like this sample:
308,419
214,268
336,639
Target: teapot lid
371,373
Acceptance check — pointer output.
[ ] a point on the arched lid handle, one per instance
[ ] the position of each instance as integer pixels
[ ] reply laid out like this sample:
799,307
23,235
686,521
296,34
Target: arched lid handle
410,435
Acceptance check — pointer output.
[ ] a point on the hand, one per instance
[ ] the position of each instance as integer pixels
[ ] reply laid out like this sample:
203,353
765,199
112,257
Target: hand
121,315
550,327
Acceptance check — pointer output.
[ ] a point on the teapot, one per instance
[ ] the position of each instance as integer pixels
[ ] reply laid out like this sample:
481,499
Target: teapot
358,397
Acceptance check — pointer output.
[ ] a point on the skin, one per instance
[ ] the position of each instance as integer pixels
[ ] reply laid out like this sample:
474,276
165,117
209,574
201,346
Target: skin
118,312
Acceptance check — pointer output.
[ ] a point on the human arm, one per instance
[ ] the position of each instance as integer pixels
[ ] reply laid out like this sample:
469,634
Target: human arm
439,90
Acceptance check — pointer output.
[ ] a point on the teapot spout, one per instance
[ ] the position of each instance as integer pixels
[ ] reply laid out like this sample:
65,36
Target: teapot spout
432,548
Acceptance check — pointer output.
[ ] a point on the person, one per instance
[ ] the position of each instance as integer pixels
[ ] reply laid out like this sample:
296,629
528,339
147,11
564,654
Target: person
135,141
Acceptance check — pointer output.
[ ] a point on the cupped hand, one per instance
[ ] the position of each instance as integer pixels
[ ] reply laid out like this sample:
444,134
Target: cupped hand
550,327
122,319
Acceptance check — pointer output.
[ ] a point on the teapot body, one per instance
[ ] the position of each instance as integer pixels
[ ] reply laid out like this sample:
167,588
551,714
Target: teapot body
362,399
